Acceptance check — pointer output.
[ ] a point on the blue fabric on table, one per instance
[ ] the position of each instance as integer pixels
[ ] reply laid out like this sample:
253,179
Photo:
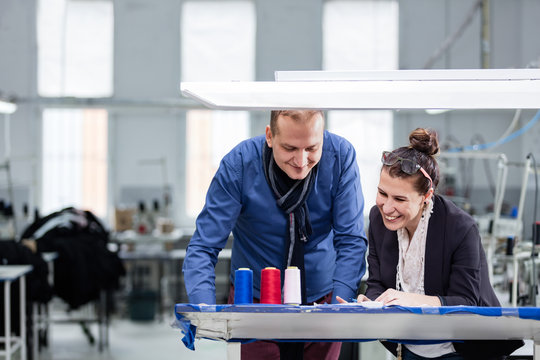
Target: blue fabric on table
189,330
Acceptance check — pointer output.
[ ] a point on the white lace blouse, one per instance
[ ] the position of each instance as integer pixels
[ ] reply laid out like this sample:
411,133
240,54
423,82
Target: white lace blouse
410,275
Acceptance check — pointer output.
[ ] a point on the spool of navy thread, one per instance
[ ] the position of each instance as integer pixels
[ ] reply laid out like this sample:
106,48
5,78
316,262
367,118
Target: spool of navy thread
243,286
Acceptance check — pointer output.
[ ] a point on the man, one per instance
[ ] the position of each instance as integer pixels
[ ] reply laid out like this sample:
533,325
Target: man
292,197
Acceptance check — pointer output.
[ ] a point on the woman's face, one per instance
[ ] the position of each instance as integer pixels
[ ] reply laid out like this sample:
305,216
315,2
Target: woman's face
399,203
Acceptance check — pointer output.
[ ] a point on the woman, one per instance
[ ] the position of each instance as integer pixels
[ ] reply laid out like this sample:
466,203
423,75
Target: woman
424,250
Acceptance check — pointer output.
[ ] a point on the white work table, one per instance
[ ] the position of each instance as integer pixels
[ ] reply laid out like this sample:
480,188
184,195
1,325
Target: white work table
238,323
9,274
162,258
155,236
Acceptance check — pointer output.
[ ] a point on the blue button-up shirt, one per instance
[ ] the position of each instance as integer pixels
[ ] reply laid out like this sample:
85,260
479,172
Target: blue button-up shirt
240,201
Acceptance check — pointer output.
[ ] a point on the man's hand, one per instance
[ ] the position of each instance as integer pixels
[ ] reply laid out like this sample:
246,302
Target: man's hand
360,298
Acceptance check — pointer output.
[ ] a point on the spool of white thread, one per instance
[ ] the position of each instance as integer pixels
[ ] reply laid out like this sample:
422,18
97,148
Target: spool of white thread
291,288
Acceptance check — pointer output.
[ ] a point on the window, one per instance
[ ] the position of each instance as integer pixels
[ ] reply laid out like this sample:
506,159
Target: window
75,41
218,44
211,135
362,35
75,47
75,160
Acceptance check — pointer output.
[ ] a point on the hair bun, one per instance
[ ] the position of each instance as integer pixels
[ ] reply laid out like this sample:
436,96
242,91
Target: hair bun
425,140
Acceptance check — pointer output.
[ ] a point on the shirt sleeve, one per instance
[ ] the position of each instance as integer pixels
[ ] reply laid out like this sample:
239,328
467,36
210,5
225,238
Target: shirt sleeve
349,236
213,227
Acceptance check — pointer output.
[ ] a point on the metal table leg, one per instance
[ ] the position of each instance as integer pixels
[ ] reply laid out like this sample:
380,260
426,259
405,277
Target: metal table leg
22,291
7,317
233,350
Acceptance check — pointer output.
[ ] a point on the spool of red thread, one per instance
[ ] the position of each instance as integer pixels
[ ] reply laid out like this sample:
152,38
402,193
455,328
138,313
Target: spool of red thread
270,286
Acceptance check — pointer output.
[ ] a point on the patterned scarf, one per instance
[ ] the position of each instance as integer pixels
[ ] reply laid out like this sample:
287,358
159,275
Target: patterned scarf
291,197
410,269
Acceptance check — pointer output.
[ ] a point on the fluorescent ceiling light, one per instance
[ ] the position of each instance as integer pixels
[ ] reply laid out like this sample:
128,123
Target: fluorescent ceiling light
7,107
419,93
411,75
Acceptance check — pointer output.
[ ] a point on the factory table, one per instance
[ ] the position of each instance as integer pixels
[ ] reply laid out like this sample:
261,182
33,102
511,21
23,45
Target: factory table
9,274
162,258
353,322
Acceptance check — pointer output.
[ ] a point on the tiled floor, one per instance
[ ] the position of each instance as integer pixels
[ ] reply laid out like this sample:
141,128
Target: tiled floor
128,340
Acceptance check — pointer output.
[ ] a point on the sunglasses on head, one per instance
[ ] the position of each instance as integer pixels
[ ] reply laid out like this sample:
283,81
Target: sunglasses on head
408,166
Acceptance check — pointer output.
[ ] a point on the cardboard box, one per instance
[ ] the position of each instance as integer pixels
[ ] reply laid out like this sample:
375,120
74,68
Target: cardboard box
123,219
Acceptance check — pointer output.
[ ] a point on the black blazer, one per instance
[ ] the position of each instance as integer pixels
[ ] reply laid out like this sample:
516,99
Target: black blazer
455,268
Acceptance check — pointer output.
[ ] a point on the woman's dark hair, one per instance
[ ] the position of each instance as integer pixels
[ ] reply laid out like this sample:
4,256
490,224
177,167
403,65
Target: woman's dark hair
424,144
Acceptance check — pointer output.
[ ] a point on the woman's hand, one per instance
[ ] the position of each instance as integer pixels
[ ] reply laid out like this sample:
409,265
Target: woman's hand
395,297
359,299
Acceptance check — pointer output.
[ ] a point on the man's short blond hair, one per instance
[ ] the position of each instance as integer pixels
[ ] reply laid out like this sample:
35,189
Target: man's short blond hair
296,115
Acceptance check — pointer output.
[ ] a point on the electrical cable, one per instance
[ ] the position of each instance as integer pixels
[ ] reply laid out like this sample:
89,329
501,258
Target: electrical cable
533,252
501,141
508,131
487,169
449,140
450,40
513,124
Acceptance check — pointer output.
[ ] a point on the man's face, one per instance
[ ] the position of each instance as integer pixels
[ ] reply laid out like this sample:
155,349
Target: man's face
297,146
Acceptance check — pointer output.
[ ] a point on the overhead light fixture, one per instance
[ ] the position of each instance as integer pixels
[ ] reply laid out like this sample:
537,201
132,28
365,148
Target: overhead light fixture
410,75
7,107
399,89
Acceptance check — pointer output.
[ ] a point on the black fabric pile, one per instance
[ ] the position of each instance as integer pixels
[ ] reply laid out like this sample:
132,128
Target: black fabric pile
85,265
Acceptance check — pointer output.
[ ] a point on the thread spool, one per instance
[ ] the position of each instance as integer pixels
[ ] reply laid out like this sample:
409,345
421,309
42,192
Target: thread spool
243,286
292,294
270,286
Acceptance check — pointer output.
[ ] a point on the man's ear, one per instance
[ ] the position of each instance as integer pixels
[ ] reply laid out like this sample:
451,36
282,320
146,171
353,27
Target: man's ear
268,136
